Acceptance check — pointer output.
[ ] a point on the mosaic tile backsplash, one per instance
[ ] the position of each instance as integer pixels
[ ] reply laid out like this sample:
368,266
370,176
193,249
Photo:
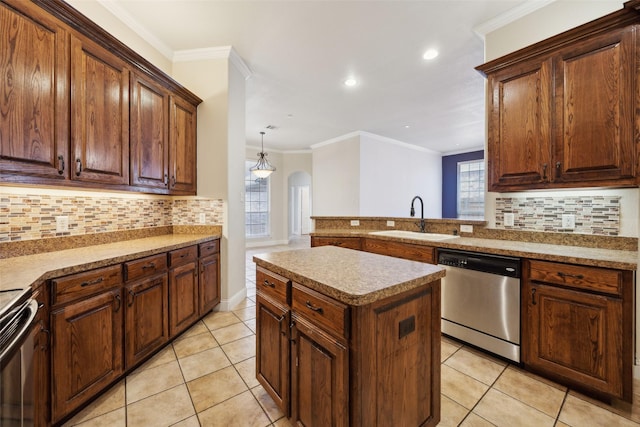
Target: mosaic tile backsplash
28,217
597,215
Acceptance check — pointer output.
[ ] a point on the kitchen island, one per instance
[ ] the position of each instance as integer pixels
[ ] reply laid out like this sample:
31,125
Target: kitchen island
349,338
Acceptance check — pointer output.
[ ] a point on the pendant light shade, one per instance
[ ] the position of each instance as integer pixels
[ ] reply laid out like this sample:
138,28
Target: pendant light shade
263,168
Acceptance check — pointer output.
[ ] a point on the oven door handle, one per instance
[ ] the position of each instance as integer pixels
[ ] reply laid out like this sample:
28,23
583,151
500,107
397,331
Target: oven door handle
18,328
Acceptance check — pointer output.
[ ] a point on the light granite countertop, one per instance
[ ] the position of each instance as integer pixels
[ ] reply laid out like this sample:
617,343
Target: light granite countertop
30,270
350,276
598,257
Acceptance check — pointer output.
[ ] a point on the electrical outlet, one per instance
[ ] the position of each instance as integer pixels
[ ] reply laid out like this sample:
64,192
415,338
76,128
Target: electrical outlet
202,218
466,228
568,221
62,224
509,219
355,223
391,223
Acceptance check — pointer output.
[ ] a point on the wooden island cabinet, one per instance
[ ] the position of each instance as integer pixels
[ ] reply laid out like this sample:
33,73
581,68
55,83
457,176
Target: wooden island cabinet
349,338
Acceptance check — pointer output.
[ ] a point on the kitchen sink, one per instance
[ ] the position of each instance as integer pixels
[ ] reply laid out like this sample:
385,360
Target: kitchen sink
432,237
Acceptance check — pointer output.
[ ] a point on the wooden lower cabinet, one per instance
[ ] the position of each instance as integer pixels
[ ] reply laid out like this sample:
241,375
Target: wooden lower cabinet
339,365
343,242
86,349
408,251
575,335
183,289
209,275
41,358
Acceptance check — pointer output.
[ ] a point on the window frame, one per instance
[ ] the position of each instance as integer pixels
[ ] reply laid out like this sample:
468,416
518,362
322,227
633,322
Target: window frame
249,177
478,191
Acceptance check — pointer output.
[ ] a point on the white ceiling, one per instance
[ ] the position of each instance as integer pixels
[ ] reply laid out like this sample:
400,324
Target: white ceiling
300,52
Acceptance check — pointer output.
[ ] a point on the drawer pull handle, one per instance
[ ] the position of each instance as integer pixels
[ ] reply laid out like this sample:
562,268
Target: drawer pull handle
270,285
533,296
78,167
310,306
132,298
60,165
92,282
150,265
544,172
575,276
45,346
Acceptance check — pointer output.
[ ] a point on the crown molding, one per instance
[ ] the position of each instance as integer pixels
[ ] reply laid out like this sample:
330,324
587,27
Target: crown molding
360,134
510,16
220,52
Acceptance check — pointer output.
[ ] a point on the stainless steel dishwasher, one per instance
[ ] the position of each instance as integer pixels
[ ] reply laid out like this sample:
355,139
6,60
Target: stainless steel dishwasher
481,300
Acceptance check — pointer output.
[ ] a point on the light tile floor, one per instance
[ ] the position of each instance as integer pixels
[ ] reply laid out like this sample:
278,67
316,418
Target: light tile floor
207,378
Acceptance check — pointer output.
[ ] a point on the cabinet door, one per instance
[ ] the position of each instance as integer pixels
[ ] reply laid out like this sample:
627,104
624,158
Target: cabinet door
86,351
149,134
519,146
183,297
574,335
272,349
209,282
182,145
319,377
99,114
146,318
595,109
34,100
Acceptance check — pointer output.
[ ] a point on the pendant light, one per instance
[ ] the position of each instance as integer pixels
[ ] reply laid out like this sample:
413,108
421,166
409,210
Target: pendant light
263,168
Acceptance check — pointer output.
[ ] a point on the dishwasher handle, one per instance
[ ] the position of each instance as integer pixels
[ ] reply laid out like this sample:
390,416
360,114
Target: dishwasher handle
17,329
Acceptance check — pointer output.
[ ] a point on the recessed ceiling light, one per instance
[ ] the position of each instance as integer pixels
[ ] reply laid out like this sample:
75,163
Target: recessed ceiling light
407,126
430,54
350,82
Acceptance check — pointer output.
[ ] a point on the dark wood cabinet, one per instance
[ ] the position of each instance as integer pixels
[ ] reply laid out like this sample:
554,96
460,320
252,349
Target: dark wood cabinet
319,376
86,349
99,114
182,146
34,95
343,242
209,275
183,289
577,326
149,134
408,251
147,307
562,112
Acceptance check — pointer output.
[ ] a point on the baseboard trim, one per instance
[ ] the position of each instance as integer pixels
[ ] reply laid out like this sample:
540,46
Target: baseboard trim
636,372
229,303
264,243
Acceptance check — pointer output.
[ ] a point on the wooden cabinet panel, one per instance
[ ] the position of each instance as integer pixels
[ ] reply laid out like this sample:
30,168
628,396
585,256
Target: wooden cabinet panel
183,297
319,377
182,256
400,250
274,285
99,114
272,349
321,310
86,349
343,242
209,282
34,94
146,317
149,134
519,147
182,146
145,267
595,106
77,286
576,276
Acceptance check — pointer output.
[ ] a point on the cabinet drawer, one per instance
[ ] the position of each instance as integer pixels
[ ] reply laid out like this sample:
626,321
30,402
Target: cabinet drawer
576,276
209,248
145,267
320,309
400,250
79,285
272,284
343,242
183,256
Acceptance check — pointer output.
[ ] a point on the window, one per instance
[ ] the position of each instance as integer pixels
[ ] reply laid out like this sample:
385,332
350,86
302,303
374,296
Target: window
256,203
471,189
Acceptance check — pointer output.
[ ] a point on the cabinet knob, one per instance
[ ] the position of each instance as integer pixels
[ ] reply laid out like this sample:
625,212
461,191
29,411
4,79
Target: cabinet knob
267,284
544,172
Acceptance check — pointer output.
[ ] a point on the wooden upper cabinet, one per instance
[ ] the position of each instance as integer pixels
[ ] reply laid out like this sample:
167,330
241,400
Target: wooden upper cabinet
149,134
562,113
595,108
519,148
182,146
34,98
99,114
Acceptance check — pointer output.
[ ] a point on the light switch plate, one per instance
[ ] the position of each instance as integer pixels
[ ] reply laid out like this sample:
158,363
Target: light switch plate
466,228
355,223
568,221
391,223
62,224
509,219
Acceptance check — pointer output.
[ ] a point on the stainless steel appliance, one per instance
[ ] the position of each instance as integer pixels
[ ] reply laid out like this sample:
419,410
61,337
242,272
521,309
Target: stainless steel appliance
17,332
481,300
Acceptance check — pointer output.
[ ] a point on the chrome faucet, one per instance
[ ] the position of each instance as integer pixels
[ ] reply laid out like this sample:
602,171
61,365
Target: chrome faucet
413,213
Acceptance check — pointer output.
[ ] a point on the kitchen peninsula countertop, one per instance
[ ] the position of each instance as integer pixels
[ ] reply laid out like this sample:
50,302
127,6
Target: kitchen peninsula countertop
30,270
352,277
609,258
